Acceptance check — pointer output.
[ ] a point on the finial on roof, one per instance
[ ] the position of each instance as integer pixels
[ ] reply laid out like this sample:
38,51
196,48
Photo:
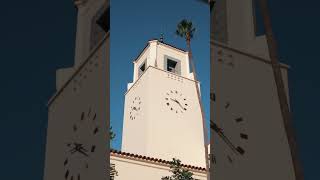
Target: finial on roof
161,37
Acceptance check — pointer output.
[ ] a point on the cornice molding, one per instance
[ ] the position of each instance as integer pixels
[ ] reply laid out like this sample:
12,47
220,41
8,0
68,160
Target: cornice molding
80,3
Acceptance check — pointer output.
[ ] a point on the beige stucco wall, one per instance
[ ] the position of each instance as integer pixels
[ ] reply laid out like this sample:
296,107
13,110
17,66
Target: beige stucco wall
136,169
249,87
79,91
157,131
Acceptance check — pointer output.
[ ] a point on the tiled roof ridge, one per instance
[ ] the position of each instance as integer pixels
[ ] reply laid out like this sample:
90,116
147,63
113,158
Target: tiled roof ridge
158,160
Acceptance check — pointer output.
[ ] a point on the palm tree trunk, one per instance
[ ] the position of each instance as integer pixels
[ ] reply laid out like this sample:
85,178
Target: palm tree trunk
211,85
201,106
284,106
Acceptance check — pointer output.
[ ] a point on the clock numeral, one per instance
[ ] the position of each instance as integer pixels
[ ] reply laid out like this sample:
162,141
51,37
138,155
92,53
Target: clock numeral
230,159
93,148
66,175
95,130
65,162
239,119
213,97
82,115
243,136
227,105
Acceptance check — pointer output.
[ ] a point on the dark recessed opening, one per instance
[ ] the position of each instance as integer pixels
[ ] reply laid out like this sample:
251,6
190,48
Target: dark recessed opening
104,20
171,65
143,67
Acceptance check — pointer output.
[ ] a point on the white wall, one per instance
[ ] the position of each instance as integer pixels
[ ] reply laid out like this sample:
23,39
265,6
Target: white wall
80,89
158,132
250,89
82,93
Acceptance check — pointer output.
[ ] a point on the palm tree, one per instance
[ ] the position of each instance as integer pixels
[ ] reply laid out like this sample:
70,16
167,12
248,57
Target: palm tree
111,134
211,4
284,105
186,30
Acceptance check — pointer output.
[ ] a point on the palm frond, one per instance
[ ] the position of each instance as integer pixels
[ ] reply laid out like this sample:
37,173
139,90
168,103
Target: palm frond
185,28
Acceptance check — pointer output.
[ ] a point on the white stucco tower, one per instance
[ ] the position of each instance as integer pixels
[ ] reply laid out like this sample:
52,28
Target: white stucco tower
77,112
162,116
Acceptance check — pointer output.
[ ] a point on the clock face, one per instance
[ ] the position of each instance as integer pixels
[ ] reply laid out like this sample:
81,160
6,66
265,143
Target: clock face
231,132
135,108
80,147
176,102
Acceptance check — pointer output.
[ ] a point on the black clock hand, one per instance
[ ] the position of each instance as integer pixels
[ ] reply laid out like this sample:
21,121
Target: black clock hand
82,152
82,148
174,100
180,105
219,131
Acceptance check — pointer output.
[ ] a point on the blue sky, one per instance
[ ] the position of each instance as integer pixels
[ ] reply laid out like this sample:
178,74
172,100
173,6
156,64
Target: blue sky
133,23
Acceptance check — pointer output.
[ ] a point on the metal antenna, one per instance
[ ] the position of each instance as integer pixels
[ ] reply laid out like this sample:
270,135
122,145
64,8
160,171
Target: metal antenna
161,37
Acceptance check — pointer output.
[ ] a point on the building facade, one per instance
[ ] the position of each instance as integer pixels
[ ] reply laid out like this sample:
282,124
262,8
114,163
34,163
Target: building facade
248,135
162,116
77,117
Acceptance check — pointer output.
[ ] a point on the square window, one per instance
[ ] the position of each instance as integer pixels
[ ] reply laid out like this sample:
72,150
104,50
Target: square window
142,68
100,24
171,65
104,20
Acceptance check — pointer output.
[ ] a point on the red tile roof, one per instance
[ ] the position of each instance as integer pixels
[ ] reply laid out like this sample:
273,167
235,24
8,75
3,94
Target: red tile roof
157,160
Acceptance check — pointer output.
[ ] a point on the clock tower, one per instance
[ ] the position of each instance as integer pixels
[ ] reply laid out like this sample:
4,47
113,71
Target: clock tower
162,115
248,133
77,131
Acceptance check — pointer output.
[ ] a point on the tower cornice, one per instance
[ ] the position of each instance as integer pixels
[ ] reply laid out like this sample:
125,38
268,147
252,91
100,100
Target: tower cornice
158,43
80,3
